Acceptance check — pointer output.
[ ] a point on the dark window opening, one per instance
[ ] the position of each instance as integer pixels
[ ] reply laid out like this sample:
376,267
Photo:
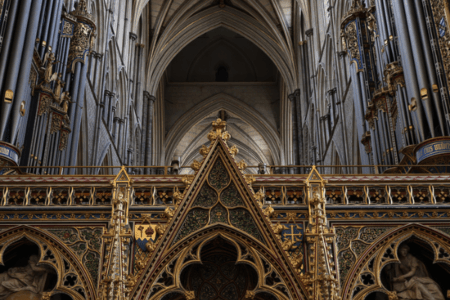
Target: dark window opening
222,74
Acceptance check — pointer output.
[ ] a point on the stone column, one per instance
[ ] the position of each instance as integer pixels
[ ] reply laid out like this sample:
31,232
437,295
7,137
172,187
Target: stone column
298,112
112,120
120,138
98,59
144,126
115,130
295,151
149,130
108,107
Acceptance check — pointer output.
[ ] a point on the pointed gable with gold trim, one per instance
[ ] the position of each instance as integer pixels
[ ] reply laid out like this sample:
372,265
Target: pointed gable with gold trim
220,201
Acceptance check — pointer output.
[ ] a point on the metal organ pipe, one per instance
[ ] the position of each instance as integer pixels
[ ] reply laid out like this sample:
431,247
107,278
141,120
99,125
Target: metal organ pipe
419,64
428,57
25,68
45,28
4,55
408,63
10,80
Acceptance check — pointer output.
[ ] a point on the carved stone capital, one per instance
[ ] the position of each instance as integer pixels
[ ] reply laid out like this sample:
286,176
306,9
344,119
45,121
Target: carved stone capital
109,93
149,97
332,91
133,36
98,56
342,54
291,97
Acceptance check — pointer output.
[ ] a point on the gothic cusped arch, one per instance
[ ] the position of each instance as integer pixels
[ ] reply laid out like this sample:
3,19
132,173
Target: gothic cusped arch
373,259
234,106
63,259
250,252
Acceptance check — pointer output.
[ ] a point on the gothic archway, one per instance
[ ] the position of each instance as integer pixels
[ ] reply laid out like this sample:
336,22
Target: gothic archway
54,253
233,105
365,275
219,250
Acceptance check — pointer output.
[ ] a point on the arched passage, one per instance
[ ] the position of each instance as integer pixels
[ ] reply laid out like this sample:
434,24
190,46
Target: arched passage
238,108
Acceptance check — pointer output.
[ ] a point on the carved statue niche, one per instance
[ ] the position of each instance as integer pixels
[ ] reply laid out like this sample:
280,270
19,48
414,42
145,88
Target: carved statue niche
415,276
23,276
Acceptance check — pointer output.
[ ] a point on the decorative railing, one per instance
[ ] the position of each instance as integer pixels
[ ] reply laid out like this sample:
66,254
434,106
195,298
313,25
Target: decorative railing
278,190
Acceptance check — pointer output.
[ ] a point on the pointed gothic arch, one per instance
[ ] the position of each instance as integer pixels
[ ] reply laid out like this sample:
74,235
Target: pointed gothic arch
233,105
208,20
373,258
62,258
250,252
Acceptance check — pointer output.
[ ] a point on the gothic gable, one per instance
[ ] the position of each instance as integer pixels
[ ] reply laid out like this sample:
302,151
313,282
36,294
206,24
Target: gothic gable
219,200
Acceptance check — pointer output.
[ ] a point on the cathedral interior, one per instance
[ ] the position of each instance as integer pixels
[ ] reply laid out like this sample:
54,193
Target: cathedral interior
224,149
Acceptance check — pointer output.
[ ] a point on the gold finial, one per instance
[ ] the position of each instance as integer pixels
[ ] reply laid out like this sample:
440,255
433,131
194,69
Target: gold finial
219,128
219,125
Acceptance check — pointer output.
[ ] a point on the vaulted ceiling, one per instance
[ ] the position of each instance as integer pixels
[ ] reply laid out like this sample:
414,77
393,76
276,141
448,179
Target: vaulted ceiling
176,23
259,37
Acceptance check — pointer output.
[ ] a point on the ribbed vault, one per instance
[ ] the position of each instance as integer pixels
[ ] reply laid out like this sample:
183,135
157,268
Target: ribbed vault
191,20
246,124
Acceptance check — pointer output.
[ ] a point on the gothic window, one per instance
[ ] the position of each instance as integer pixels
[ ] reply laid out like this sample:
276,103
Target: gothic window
222,74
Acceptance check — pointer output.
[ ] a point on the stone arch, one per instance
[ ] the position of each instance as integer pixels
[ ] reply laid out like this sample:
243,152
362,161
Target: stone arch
233,105
99,18
61,254
373,258
208,20
254,254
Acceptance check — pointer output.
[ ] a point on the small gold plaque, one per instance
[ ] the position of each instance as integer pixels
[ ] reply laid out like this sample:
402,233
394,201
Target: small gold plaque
9,95
435,88
423,93
22,108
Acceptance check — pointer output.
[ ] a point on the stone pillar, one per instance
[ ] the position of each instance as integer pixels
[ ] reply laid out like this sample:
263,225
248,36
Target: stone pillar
111,120
143,141
149,130
129,161
98,58
108,107
295,151
115,130
120,137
